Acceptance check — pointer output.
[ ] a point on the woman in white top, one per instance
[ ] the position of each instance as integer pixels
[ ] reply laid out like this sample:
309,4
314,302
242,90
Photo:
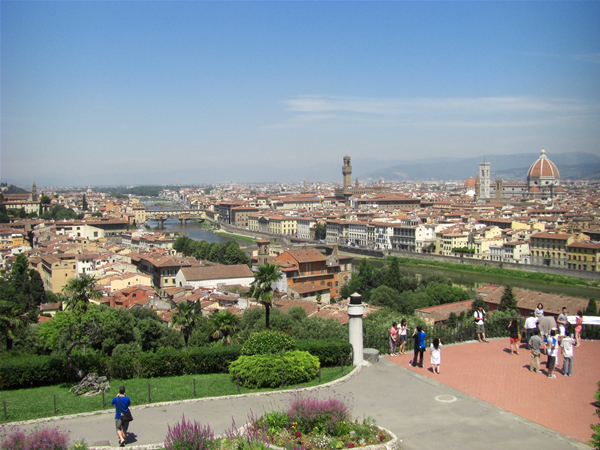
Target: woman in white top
402,330
436,355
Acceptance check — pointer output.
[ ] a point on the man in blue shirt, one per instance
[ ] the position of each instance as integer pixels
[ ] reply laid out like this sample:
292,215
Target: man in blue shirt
122,403
419,343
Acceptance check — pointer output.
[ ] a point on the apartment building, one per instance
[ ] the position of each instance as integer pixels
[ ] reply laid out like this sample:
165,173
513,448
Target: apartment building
550,249
57,270
305,227
583,255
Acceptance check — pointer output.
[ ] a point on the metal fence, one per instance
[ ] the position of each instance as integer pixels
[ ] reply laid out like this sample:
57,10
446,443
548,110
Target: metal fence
453,333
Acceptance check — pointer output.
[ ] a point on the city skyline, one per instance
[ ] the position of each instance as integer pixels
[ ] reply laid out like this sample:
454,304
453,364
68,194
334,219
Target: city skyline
100,93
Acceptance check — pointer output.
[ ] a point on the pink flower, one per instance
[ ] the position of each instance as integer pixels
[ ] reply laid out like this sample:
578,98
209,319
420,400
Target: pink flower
351,445
298,434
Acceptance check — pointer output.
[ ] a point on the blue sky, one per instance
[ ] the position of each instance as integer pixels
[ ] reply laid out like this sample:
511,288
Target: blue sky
132,92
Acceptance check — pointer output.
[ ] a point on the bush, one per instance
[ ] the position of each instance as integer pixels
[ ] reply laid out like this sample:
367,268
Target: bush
41,439
268,342
272,370
33,371
189,436
325,415
330,352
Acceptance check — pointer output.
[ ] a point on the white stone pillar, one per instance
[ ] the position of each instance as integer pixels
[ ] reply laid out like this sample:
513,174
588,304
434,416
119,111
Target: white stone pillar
355,327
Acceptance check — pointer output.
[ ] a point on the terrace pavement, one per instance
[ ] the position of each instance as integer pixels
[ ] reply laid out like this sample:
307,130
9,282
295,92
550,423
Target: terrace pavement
417,406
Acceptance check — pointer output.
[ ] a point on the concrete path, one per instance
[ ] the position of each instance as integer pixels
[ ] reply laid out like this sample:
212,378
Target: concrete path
422,412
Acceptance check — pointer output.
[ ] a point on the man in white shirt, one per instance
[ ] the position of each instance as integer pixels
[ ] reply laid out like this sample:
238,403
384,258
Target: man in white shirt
480,323
530,326
567,351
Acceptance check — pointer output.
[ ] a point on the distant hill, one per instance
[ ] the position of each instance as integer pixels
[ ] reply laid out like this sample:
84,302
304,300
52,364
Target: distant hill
577,165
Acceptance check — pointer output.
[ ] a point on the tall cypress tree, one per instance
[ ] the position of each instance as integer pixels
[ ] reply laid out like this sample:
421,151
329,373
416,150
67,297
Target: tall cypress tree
592,308
508,302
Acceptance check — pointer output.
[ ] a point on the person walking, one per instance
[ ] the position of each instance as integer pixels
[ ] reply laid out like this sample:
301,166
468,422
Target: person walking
535,343
530,326
436,355
513,328
393,339
567,351
403,331
578,328
122,403
419,342
480,320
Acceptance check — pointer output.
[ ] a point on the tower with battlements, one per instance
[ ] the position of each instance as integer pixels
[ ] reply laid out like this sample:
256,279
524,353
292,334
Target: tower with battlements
347,173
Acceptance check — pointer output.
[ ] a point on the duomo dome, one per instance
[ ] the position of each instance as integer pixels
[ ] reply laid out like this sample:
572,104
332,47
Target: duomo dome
470,183
543,172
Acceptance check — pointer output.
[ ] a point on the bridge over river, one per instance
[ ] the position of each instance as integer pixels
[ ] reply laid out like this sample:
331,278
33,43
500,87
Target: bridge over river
182,215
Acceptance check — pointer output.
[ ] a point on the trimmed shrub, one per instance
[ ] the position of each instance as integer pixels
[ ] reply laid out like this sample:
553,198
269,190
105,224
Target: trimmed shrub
271,370
213,359
34,371
330,351
268,342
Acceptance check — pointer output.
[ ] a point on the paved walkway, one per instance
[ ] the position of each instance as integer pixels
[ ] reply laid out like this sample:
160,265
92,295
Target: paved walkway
422,411
490,373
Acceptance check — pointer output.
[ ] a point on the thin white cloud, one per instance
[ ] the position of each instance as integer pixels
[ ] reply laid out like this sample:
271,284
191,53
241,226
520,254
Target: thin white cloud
593,58
493,112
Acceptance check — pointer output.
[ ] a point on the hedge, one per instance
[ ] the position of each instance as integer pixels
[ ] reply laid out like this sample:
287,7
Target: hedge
329,351
33,371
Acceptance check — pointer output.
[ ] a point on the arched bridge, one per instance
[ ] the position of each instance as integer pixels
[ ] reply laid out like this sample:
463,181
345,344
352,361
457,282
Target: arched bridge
171,214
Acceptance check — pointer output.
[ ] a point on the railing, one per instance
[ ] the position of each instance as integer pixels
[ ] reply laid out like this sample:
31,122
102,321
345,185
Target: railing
449,333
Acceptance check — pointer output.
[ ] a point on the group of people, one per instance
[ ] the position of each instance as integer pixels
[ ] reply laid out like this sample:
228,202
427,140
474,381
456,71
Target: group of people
398,336
555,342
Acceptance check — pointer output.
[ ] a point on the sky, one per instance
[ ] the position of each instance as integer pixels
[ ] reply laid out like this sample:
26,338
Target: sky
153,92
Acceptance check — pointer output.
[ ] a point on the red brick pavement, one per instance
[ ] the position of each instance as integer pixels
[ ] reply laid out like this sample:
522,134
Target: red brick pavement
489,373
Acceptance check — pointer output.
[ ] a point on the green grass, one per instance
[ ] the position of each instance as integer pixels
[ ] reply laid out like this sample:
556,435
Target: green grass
237,237
511,273
36,403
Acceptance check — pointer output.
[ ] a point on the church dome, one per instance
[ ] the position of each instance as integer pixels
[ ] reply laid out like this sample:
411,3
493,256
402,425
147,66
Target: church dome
543,172
470,183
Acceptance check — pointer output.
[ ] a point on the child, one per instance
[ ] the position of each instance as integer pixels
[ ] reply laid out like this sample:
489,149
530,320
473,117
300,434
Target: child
552,353
436,355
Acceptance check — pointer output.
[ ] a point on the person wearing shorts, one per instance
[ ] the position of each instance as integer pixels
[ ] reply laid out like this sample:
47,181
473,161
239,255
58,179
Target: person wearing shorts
122,403
480,323
403,332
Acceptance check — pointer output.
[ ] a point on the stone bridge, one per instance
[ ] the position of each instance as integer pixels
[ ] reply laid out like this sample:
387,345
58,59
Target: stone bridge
182,215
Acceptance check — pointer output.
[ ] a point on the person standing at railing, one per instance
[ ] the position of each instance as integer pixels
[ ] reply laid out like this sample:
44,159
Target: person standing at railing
403,330
436,355
563,322
419,338
578,328
393,339
480,320
530,327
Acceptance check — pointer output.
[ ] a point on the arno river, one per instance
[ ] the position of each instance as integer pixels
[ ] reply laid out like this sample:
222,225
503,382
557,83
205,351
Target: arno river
470,281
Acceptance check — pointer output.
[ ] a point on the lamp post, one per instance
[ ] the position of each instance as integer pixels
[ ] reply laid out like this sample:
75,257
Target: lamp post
355,313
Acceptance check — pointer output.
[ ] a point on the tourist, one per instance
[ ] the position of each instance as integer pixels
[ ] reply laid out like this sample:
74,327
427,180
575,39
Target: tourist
393,339
480,320
403,331
530,326
578,328
567,351
513,328
419,342
539,310
552,353
122,403
563,322
535,343
436,355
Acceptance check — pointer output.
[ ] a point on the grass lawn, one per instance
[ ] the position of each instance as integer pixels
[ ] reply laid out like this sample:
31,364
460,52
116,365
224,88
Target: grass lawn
239,237
36,403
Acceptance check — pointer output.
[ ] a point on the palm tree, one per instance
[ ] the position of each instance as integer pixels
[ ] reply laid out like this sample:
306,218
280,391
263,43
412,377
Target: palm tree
186,318
262,286
224,325
79,291
11,317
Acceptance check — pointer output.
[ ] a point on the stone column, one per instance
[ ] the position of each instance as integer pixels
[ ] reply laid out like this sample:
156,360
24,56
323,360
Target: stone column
355,327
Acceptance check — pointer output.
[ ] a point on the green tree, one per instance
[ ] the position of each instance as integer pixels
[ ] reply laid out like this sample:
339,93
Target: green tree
262,287
592,308
508,302
12,317
320,231
224,326
385,296
79,291
84,204
452,318
393,276
186,318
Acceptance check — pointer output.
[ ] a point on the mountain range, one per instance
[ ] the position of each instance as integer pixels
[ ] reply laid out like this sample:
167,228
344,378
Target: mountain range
576,166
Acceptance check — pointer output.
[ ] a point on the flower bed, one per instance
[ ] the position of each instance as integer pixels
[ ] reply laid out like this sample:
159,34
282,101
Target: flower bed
308,423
